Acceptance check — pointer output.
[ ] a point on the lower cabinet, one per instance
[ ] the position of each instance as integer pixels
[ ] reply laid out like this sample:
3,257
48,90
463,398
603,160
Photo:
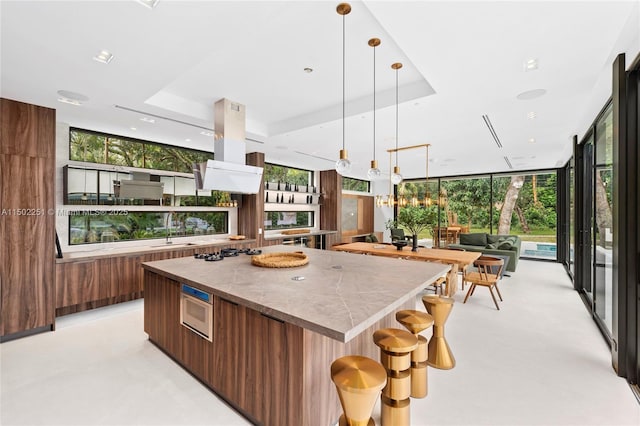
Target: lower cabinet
83,281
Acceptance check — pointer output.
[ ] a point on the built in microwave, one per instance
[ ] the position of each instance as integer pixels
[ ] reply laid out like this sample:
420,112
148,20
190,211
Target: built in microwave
196,311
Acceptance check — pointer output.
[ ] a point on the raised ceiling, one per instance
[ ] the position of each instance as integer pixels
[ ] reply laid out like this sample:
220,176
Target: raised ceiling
462,60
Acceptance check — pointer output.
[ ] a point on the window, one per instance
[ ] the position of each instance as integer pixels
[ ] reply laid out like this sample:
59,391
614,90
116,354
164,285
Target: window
284,174
287,219
351,184
102,148
86,227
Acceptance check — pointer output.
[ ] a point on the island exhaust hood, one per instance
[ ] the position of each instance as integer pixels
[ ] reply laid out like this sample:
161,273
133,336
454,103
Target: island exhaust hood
228,172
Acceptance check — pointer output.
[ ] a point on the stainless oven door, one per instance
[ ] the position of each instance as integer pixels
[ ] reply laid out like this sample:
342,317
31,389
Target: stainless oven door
197,316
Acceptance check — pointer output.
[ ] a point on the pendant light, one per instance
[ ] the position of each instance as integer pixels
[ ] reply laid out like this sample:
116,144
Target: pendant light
374,171
343,164
396,177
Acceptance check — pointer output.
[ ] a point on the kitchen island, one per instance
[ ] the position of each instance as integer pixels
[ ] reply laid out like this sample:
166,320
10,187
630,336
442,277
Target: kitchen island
276,331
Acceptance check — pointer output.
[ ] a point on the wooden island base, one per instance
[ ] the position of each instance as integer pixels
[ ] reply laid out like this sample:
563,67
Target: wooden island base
273,372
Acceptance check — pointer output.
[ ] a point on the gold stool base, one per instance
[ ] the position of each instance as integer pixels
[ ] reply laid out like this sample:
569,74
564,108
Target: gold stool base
440,355
419,382
398,385
343,422
395,413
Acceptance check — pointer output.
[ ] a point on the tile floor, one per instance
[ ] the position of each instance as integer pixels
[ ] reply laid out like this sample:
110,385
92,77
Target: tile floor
540,360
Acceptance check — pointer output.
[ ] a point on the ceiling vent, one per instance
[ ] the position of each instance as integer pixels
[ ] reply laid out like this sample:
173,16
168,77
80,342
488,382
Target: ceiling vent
494,135
506,160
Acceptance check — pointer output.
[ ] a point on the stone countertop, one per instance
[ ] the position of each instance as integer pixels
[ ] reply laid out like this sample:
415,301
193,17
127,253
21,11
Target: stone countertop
159,247
279,236
341,295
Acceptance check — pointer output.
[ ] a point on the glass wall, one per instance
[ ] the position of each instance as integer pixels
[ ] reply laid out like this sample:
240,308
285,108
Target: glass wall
522,204
525,205
287,219
602,217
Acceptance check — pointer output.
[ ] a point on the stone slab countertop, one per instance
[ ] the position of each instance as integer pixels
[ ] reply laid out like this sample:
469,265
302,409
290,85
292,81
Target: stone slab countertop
340,296
279,236
158,247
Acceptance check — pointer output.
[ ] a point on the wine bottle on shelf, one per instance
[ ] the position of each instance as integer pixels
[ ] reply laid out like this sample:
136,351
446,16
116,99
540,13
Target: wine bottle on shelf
296,187
278,185
266,199
314,189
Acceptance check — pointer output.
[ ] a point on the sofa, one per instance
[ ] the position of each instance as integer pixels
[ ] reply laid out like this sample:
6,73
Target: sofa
505,245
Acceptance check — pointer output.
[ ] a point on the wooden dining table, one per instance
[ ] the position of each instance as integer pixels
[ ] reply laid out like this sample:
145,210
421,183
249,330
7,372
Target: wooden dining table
457,259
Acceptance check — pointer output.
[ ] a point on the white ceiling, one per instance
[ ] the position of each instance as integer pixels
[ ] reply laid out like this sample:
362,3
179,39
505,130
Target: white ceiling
461,60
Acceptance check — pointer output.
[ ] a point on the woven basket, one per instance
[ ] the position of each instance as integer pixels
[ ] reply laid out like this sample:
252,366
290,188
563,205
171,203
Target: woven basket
236,237
280,260
295,231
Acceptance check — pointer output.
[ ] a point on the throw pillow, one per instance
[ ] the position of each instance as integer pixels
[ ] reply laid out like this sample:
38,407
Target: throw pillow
373,238
505,245
492,246
476,239
368,239
492,239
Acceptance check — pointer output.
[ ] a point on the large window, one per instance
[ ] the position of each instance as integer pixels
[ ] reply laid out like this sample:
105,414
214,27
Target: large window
525,205
86,227
94,147
522,204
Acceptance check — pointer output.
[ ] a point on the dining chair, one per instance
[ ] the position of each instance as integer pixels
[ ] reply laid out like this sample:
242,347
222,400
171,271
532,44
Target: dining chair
487,275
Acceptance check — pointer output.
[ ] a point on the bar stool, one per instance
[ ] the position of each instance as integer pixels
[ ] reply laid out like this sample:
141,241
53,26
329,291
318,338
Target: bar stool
416,322
396,347
440,355
358,380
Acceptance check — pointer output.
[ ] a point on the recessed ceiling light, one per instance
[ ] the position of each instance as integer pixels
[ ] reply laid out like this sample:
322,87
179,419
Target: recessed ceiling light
104,56
148,120
531,94
531,64
148,3
187,140
308,70
206,133
71,98
532,140
69,101
133,128
531,115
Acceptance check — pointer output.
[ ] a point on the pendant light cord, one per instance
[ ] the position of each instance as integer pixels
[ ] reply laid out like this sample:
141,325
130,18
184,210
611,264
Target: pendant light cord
343,78
396,118
374,103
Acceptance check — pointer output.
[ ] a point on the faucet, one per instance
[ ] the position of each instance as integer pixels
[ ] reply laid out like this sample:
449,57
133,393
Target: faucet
167,226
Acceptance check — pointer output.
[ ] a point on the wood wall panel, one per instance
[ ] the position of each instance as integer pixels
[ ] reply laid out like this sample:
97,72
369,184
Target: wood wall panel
365,217
27,228
331,209
251,214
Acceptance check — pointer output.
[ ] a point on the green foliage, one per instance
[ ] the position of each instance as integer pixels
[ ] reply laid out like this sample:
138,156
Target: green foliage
417,219
275,173
351,184
107,149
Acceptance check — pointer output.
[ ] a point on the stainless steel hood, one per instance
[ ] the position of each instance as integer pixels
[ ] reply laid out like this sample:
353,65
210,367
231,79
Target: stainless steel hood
228,172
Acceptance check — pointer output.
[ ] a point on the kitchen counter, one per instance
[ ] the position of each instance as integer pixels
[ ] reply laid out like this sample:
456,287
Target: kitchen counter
339,297
157,247
274,338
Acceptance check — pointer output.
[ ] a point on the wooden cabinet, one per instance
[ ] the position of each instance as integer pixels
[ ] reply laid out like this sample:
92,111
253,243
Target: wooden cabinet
84,281
162,314
27,227
127,274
